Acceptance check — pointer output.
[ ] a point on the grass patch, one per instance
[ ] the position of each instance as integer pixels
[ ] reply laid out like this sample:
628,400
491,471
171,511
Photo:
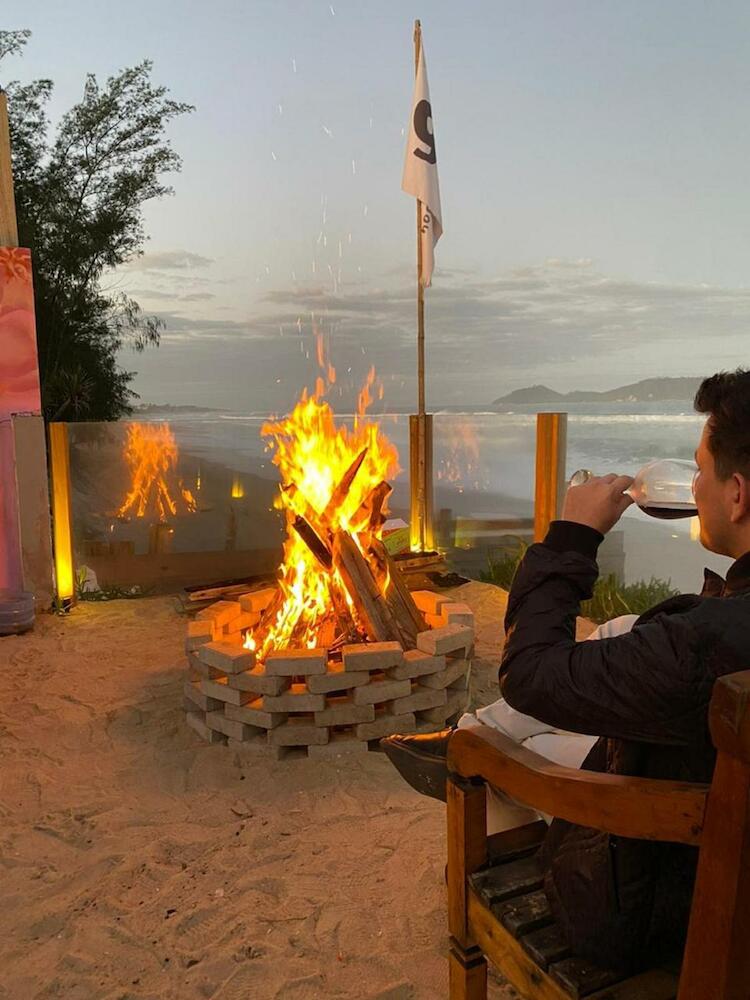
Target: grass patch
610,599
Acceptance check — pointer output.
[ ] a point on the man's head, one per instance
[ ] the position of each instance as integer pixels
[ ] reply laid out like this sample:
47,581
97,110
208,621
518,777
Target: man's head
722,486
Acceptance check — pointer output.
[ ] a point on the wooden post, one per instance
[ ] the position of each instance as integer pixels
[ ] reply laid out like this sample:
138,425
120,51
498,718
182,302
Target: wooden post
467,851
422,531
551,446
8,223
62,532
716,965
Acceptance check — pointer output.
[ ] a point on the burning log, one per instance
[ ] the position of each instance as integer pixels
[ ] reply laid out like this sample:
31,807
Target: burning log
370,512
339,494
398,596
313,541
363,589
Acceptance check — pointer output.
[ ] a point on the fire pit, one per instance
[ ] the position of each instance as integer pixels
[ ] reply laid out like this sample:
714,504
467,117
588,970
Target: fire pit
340,653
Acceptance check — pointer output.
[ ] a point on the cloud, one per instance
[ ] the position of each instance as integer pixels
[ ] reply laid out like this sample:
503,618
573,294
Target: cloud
168,260
197,297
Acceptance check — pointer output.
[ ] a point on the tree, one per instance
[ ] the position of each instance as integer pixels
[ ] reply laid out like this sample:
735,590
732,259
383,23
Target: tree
79,201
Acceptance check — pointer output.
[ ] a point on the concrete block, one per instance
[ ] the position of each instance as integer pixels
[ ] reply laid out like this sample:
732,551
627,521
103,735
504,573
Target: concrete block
220,613
342,711
197,723
372,656
385,724
455,670
257,601
428,602
199,699
219,689
198,634
226,657
420,699
461,683
456,702
298,733
258,681
197,668
381,690
416,664
252,713
435,621
336,679
457,614
296,699
339,745
296,662
256,746
245,621
221,723
448,639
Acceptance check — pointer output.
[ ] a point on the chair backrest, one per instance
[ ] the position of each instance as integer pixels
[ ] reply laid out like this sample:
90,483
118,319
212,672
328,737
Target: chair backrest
716,965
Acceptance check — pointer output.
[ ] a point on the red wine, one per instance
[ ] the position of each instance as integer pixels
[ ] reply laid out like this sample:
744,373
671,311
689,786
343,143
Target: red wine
669,511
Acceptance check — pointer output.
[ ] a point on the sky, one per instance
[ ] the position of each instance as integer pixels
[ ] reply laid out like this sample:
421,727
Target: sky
593,162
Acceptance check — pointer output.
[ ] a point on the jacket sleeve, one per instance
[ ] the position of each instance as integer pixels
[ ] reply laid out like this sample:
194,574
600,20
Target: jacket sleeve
644,685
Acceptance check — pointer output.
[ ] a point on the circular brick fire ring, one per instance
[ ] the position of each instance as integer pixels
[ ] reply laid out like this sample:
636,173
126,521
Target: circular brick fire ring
322,704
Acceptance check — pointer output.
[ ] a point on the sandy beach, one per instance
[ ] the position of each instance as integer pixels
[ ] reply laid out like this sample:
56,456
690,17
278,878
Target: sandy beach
141,864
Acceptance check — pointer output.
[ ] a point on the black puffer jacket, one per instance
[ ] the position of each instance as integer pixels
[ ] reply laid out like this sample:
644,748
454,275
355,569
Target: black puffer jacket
621,902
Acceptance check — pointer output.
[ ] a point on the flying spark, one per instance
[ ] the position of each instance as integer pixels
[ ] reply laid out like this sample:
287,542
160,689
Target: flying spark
327,131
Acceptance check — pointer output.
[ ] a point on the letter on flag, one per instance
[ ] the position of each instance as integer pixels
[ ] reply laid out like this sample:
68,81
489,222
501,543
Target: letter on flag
420,170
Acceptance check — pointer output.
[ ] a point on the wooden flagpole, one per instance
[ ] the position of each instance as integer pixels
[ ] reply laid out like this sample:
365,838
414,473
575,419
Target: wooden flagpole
423,536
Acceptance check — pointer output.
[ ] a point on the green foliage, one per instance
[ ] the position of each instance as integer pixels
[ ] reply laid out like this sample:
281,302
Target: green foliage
79,198
610,599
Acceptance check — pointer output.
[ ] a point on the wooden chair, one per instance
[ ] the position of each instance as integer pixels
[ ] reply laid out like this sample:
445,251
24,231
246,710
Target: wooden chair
495,904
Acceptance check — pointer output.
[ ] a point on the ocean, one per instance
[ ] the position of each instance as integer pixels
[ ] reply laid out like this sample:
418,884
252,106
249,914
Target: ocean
484,465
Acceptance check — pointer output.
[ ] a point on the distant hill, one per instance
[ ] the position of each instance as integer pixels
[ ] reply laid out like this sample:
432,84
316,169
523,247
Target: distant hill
647,390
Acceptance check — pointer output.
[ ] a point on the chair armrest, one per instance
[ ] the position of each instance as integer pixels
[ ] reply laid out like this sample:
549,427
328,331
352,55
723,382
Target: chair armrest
644,808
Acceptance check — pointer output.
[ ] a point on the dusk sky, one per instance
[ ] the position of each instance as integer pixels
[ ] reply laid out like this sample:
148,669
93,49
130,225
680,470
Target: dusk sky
593,161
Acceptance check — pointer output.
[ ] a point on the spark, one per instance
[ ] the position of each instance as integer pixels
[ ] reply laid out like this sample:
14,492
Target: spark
278,380
294,65
299,324
281,330
333,12
354,167
327,131
349,239
371,120
273,155
281,108
341,250
365,211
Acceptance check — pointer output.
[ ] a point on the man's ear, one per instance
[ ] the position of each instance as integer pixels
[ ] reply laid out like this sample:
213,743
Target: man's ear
740,498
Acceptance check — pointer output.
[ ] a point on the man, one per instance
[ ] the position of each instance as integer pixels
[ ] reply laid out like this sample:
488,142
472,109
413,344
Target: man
644,693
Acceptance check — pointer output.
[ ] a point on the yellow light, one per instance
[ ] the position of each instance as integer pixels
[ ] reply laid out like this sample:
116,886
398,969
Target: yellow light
61,528
695,529
238,490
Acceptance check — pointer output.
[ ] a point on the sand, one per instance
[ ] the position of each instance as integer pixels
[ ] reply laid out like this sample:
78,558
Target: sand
139,863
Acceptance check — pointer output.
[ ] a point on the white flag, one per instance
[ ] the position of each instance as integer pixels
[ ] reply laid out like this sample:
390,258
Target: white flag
420,170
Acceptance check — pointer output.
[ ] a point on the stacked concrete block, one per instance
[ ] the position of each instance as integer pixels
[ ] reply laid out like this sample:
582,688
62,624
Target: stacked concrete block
315,703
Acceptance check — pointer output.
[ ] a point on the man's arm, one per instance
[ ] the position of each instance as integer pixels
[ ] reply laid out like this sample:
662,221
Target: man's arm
643,685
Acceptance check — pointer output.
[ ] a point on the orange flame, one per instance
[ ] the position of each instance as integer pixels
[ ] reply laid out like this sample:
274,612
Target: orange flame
151,452
313,454
461,466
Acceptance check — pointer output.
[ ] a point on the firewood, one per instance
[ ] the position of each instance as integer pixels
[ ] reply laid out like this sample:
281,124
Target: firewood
363,589
370,514
313,541
342,488
398,596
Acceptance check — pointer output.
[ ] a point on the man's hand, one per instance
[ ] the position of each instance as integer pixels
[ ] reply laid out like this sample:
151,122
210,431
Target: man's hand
599,503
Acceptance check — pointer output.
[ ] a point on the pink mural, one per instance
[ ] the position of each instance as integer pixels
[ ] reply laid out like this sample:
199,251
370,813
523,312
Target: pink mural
19,369
19,393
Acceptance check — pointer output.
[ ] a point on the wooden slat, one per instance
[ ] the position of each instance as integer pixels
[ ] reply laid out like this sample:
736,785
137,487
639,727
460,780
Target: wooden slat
363,589
581,978
467,974
655,985
505,881
644,808
524,913
546,945
516,842
508,955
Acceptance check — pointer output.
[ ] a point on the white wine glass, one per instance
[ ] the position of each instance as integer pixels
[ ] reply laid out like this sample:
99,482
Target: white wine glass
663,488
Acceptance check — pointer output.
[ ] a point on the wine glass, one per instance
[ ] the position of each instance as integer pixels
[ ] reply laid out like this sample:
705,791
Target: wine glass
663,488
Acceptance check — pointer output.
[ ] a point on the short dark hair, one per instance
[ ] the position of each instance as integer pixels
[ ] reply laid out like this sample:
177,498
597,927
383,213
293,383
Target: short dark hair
725,397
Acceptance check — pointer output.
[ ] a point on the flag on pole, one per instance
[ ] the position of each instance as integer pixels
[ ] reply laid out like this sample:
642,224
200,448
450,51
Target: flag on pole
420,170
